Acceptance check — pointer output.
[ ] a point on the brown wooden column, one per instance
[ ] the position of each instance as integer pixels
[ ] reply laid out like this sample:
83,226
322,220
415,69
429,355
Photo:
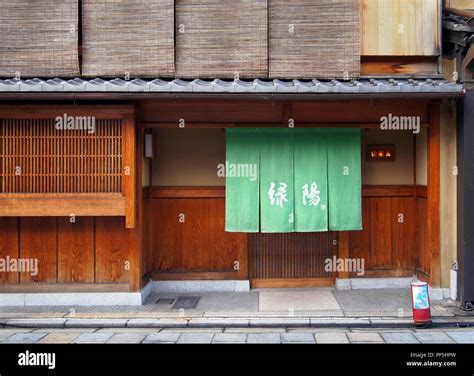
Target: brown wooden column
432,213
136,233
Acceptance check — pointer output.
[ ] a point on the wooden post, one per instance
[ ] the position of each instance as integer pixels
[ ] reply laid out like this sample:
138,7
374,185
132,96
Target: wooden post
128,182
136,234
433,191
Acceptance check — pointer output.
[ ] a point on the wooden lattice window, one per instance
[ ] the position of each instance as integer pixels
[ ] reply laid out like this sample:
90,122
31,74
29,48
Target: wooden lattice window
67,160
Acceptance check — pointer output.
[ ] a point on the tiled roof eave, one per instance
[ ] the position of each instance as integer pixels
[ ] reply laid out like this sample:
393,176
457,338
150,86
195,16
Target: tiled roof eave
257,86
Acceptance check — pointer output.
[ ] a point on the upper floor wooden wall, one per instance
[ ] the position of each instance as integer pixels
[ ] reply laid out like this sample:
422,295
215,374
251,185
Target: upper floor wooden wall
324,39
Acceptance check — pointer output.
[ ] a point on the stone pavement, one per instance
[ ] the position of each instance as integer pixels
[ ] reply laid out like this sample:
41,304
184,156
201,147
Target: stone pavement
311,309
254,335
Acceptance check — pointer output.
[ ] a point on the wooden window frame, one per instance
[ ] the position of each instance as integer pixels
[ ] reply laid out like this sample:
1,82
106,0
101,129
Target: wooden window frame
79,204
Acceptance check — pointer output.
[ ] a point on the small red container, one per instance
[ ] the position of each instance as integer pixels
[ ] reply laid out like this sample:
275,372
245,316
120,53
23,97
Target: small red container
420,303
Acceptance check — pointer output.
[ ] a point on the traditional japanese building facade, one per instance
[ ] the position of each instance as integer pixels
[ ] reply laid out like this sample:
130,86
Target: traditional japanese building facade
249,144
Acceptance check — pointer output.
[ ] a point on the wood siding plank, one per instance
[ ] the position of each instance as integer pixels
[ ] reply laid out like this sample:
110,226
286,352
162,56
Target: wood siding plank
9,246
76,250
38,240
380,233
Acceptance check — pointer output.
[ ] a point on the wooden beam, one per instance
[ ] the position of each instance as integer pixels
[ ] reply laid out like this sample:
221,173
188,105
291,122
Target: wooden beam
41,288
400,66
187,192
298,124
50,112
433,192
59,205
292,282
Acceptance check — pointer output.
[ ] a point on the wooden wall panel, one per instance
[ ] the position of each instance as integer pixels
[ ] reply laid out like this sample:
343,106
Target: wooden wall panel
403,229
195,235
226,248
8,246
165,230
112,243
38,240
76,250
359,241
400,27
380,233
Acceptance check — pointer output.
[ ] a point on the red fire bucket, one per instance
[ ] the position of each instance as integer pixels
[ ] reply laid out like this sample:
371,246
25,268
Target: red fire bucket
420,303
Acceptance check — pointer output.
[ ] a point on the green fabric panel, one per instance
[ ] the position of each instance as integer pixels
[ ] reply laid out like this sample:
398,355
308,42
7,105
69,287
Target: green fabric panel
344,179
276,180
242,180
310,177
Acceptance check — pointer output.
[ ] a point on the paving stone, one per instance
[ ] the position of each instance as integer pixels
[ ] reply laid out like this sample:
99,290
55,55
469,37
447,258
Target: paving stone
297,338
69,330
399,337
128,330
196,338
162,337
230,338
331,337
25,337
193,330
461,336
93,338
433,337
255,330
264,338
127,338
4,336
59,337
368,337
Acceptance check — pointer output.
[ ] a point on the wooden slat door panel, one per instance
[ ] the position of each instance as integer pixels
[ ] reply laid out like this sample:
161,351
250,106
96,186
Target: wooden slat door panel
112,250
289,255
76,250
38,241
9,246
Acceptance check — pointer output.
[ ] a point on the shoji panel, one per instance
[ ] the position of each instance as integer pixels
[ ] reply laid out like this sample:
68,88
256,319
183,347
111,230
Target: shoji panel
39,38
400,27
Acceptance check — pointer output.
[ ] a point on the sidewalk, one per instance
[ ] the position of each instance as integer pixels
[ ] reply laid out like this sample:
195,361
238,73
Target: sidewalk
295,308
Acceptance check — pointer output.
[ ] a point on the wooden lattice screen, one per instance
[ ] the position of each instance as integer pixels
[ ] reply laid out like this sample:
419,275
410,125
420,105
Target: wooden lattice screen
314,39
50,168
38,158
39,38
290,255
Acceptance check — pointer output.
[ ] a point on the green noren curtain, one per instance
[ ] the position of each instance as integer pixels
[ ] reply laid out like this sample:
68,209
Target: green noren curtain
242,180
344,179
306,180
310,176
276,181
